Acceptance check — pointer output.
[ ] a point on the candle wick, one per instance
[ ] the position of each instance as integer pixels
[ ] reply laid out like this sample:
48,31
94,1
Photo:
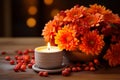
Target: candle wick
49,49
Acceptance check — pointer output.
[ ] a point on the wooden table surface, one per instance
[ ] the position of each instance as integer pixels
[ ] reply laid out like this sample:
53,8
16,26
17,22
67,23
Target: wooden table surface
12,44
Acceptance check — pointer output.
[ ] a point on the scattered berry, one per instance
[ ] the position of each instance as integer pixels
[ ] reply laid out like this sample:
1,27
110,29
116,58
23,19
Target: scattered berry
33,57
3,53
74,69
16,69
30,66
65,73
19,52
86,68
68,69
19,64
7,58
45,74
19,58
32,61
96,61
92,68
78,68
25,52
31,50
26,58
16,57
40,73
90,64
12,62
18,61
23,67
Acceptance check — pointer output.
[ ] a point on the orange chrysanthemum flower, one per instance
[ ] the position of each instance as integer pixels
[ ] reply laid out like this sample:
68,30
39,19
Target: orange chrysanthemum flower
50,30
108,15
113,55
74,13
92,43
112,18
65,39
98,9
94,20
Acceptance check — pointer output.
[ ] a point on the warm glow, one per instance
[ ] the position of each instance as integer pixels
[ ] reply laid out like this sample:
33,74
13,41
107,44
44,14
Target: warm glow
31,22
48,46
54,12
32,10
48,2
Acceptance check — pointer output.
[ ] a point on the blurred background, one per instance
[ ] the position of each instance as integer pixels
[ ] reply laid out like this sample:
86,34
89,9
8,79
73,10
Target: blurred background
26,18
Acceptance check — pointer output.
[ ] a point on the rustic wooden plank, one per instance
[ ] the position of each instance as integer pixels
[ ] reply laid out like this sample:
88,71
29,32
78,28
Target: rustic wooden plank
12,44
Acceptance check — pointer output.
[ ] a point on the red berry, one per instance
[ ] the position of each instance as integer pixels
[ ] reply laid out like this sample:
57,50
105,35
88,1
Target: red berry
65,73
86,68
96,61
26,58
25,52
7,58
90,64
23,67
18,61
19,64
19,52
12,62
22,61
16,57
32,61
33,57
45,74
19,58
3,53
78,68
40,73
16,69
92,68
31,50
68,69
30,66
74,69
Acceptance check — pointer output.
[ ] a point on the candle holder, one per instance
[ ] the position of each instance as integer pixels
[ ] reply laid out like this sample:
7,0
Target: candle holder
48,59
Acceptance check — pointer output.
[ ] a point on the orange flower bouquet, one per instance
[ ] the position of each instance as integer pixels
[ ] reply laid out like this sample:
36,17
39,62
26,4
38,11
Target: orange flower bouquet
92,30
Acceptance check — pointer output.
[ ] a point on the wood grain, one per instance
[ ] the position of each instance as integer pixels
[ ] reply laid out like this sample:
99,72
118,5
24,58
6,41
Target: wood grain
12,44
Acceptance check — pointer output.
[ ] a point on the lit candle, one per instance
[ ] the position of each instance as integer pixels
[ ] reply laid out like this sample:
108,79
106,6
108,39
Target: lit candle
48,46
48,49
48,56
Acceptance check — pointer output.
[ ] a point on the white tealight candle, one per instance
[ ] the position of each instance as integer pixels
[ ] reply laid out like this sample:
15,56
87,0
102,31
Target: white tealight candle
48,57
45,49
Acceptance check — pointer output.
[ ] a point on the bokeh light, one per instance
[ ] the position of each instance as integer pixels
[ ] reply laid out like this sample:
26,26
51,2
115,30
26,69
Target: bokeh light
32,10
48,2
31,22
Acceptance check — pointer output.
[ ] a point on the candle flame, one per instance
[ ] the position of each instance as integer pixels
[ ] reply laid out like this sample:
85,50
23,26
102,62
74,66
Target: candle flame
48,45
